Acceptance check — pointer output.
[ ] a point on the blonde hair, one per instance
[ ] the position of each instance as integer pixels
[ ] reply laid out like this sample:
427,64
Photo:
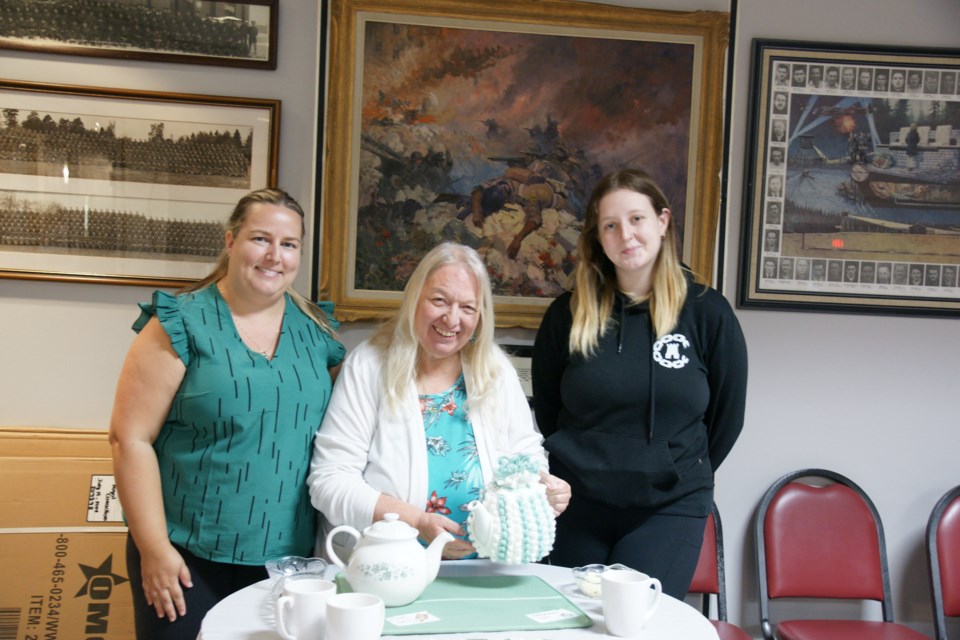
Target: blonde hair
235,223
397,338
595,277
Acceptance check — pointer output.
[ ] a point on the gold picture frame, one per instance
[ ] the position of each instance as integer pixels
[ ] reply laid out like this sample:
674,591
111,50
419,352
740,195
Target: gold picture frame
431,103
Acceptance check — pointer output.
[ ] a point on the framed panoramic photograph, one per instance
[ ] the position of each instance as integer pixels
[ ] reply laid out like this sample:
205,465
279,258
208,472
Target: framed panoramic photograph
489,122
237,34
852,189
125,187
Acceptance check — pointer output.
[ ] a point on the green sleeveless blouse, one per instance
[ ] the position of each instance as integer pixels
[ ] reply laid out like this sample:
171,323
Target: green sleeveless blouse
235,449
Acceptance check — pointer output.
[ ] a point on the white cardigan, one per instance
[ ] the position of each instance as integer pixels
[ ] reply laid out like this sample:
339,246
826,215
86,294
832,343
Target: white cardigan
363,449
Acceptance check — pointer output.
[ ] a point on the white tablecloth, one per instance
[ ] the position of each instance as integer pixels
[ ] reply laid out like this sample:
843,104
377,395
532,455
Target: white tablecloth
248,614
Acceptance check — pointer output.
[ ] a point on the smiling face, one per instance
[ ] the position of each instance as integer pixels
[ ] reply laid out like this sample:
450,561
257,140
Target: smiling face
265,251
448,312
631,233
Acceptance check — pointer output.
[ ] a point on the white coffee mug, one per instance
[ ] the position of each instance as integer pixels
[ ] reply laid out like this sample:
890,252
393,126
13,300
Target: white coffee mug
355,616
629,600
301,610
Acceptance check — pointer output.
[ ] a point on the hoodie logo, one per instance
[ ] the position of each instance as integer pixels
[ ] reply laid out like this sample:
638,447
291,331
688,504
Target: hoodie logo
666,351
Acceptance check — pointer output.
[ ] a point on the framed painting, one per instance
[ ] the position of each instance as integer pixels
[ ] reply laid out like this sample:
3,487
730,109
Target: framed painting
852,189
489,122
125,187
236,34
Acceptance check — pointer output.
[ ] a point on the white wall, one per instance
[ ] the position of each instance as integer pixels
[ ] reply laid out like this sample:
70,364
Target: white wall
869,396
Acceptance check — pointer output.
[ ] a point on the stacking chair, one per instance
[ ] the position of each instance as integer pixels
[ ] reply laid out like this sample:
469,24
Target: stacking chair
943,555
823,542
709,581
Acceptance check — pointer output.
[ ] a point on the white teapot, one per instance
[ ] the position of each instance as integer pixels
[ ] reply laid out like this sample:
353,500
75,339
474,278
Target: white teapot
387,560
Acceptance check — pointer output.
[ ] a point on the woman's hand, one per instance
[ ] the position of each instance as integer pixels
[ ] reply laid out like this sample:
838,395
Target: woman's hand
430,525
457,549
558,492
164,571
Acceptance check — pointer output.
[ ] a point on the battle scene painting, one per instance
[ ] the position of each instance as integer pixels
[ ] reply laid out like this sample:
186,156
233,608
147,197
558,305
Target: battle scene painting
495,139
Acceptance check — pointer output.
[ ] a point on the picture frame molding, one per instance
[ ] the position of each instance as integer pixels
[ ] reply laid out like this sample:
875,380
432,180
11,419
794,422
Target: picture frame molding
220,199
130,53
757,292
343,87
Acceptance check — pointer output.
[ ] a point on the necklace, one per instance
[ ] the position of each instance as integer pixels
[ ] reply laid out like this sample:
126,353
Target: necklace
245,335
266,353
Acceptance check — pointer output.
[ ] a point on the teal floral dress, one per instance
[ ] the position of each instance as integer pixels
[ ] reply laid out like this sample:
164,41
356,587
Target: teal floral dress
454,475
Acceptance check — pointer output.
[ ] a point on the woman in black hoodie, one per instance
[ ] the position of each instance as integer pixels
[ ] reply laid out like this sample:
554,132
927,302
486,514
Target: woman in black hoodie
639,382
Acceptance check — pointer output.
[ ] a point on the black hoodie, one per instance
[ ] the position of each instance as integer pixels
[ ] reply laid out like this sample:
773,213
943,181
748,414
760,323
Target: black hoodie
643,422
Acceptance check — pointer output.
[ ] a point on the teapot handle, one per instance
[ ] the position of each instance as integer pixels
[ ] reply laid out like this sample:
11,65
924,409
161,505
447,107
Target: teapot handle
328,544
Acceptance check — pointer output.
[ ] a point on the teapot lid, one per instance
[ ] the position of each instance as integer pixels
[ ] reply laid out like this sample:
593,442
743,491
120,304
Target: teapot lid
390,528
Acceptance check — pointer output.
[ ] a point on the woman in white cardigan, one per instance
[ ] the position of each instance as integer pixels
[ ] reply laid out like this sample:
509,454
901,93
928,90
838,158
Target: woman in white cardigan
423,410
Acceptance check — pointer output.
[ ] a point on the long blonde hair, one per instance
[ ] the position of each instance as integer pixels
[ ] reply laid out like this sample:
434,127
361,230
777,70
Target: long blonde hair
596,278
279,198
397,338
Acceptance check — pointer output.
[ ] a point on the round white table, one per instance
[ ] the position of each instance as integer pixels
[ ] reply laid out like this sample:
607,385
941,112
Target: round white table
248,614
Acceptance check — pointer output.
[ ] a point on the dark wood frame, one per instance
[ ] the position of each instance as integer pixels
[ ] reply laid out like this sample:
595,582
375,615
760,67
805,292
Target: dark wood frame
95,181
856,215
341,151
62,45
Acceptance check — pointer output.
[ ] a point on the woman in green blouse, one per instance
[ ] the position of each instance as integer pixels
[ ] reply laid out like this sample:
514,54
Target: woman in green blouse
216,408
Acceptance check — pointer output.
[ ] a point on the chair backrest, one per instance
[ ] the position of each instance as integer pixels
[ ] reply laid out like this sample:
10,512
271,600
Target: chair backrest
708,580
943,555
820,542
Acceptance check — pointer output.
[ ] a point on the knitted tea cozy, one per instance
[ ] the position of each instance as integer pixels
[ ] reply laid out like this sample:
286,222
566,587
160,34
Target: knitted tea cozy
512,522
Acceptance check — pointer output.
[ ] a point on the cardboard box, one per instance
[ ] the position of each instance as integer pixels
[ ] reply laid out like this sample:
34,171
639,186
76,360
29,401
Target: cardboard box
62,538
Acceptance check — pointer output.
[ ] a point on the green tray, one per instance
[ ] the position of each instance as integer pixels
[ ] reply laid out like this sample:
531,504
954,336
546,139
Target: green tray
482,603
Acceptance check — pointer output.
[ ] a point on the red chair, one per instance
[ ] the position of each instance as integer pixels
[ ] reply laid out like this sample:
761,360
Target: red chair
943,556
823,542
709,580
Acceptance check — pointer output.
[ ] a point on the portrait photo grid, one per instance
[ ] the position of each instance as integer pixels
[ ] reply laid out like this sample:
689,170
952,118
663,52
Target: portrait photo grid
860,187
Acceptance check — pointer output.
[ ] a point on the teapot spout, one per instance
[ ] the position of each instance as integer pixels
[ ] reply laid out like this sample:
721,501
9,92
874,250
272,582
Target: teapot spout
434,554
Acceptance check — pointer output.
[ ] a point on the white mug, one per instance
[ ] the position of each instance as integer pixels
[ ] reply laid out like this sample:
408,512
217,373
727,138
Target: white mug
355,616
629,600
301,610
